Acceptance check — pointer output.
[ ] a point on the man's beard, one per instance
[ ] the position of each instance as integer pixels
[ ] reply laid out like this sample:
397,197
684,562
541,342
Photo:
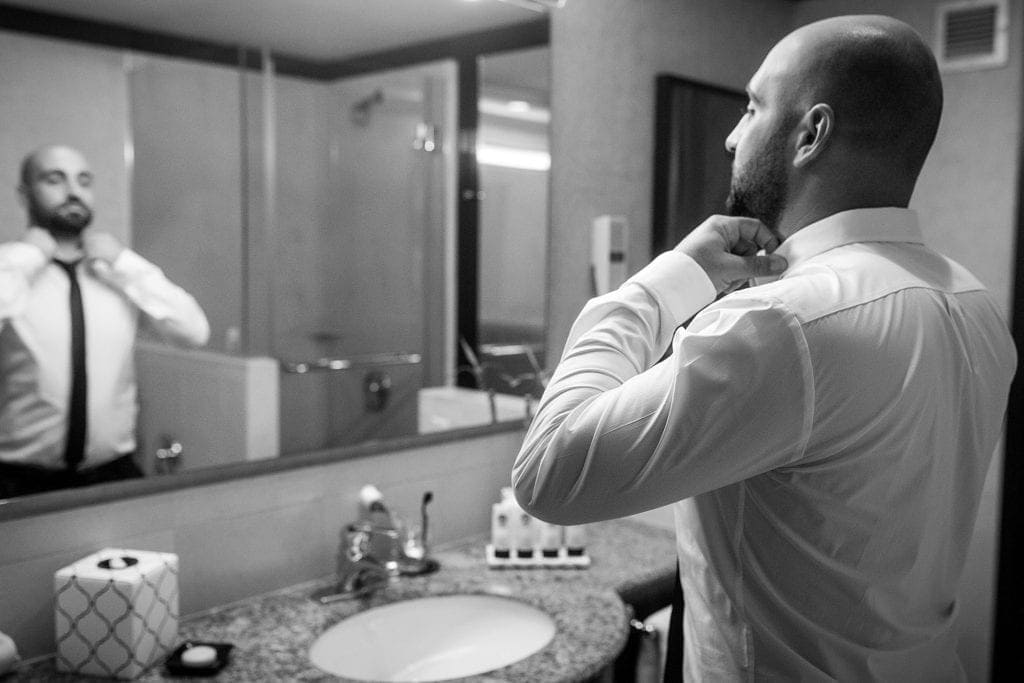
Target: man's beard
759,189
62,221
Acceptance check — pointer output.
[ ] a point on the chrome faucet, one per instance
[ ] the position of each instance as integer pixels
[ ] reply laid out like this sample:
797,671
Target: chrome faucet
360,568
360,571
369,556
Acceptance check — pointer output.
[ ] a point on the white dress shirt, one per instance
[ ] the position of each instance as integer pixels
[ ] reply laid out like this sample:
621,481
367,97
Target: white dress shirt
824,438
35,360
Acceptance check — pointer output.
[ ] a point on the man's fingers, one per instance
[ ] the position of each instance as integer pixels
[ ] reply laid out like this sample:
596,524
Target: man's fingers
769,264
727,248
736,230
755,231
746,267
745,248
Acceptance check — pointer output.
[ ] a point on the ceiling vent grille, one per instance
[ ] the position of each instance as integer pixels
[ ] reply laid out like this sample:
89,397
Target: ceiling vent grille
971,34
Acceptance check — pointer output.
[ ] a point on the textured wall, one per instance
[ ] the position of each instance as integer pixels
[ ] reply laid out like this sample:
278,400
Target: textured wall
605,55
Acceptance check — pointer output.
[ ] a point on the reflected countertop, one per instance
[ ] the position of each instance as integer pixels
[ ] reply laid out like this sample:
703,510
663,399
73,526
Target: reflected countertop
272,633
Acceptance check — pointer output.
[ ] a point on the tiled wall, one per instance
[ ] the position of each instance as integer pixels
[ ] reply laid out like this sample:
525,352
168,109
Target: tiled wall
244,537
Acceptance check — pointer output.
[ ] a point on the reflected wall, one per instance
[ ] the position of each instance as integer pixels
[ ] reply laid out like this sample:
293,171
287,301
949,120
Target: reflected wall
186,170
59,90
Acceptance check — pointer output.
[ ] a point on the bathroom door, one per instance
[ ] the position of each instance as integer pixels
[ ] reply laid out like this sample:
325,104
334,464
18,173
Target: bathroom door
691,168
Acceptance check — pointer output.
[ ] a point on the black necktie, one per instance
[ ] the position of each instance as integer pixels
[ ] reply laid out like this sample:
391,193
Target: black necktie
74,450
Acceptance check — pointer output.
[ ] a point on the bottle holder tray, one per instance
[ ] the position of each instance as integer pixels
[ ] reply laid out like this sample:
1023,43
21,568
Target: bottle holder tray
562,561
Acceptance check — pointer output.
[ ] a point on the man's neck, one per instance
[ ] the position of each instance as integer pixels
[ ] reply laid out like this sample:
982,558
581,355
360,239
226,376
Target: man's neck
818,203
68,248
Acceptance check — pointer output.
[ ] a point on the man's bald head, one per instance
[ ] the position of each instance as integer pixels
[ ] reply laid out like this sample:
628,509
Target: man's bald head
29,163
842,114
37,159
56,190
880,79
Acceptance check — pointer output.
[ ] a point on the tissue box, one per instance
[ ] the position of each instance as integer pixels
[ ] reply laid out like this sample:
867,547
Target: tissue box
116,612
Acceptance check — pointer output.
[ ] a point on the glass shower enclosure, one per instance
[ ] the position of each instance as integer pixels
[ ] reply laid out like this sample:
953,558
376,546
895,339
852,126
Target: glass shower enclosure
313,219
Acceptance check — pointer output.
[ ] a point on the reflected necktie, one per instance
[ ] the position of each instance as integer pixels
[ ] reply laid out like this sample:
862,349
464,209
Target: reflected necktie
74,450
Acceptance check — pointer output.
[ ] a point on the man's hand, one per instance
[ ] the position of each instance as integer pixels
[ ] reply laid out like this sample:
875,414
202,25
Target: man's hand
42,239
726,248
100,246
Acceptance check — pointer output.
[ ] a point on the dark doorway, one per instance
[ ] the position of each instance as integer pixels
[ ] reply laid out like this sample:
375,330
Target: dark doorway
691,167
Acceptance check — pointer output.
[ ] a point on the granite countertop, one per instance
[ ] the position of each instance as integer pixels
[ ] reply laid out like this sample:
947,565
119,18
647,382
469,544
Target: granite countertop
272,633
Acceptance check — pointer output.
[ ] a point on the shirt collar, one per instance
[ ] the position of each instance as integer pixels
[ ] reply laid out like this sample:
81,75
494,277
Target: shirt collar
888,224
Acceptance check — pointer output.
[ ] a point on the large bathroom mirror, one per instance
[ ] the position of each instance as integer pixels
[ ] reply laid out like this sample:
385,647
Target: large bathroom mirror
354,192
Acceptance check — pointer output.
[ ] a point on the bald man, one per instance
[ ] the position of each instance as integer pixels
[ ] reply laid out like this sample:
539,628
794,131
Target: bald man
71,299
823,436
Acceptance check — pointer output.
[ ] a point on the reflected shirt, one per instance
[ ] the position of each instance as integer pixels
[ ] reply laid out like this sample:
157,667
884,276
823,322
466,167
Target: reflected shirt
824,439
35,358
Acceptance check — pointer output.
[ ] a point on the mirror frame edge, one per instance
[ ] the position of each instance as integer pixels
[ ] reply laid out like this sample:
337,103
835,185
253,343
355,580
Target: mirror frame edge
70,498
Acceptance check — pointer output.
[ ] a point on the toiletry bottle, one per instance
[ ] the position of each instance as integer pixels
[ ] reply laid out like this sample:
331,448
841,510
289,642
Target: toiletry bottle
501,524
550,538
523,532
576,540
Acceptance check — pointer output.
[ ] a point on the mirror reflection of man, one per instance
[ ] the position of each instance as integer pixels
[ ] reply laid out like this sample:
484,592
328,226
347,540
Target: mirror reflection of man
71,300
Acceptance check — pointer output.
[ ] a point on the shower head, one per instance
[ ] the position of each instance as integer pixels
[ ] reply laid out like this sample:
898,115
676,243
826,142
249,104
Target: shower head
360,112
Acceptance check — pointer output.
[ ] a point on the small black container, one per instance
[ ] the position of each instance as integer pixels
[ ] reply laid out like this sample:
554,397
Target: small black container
176,667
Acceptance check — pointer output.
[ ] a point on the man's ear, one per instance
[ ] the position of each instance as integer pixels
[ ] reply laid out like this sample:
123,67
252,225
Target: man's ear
814,132
22,195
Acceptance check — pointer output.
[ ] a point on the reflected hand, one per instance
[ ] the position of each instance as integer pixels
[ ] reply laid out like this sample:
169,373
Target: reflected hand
100,246
726,248
42,239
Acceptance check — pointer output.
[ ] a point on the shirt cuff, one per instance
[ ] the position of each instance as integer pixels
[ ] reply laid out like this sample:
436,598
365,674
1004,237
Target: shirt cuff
129,264
678,283
25,256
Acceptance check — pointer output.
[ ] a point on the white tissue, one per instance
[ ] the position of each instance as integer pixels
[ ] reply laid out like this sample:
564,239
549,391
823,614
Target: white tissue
8,654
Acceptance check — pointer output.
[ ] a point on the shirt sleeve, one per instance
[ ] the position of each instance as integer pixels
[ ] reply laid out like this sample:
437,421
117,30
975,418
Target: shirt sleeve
20,265
618,432
167,308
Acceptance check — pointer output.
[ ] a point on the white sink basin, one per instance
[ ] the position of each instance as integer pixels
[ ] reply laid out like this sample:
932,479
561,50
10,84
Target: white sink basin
432,639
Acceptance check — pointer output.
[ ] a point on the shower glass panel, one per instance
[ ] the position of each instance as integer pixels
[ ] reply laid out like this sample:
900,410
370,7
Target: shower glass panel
361,251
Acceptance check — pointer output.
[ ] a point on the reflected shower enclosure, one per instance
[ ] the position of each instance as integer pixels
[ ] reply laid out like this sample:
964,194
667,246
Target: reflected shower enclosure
314,219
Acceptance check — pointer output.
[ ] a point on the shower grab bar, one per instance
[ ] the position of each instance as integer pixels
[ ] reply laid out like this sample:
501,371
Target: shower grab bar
355,362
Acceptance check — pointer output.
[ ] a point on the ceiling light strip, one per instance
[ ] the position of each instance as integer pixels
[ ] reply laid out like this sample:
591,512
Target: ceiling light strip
537,5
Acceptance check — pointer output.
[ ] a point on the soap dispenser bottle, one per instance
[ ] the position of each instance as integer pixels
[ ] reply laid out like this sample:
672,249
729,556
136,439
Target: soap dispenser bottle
524,532
576,540
501,524
550,539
